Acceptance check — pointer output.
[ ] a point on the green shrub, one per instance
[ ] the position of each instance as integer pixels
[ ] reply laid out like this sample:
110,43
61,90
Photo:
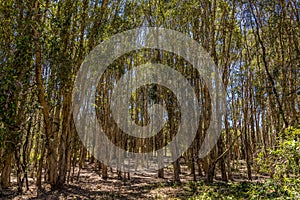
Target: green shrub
282,163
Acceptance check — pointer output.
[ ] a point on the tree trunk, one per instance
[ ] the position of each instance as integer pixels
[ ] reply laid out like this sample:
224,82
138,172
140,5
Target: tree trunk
5,175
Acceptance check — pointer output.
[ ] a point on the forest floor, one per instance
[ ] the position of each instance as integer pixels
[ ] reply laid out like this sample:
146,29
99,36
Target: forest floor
146,186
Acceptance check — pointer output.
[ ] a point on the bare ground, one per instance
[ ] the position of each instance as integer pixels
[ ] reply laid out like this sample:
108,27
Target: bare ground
91,186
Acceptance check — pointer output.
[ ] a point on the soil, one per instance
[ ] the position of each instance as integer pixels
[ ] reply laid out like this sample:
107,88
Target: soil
91,186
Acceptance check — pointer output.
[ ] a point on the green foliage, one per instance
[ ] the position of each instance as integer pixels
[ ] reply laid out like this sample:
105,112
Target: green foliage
241,190
282,162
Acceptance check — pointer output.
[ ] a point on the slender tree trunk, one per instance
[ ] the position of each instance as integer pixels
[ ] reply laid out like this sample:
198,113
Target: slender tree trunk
5,175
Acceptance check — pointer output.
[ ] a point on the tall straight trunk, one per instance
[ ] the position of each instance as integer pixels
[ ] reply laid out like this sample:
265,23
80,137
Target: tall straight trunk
65,139
229,141
247,154
160,139
247,143
176,169
51,158
5,174
222,160
193,169
104,172
211,168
